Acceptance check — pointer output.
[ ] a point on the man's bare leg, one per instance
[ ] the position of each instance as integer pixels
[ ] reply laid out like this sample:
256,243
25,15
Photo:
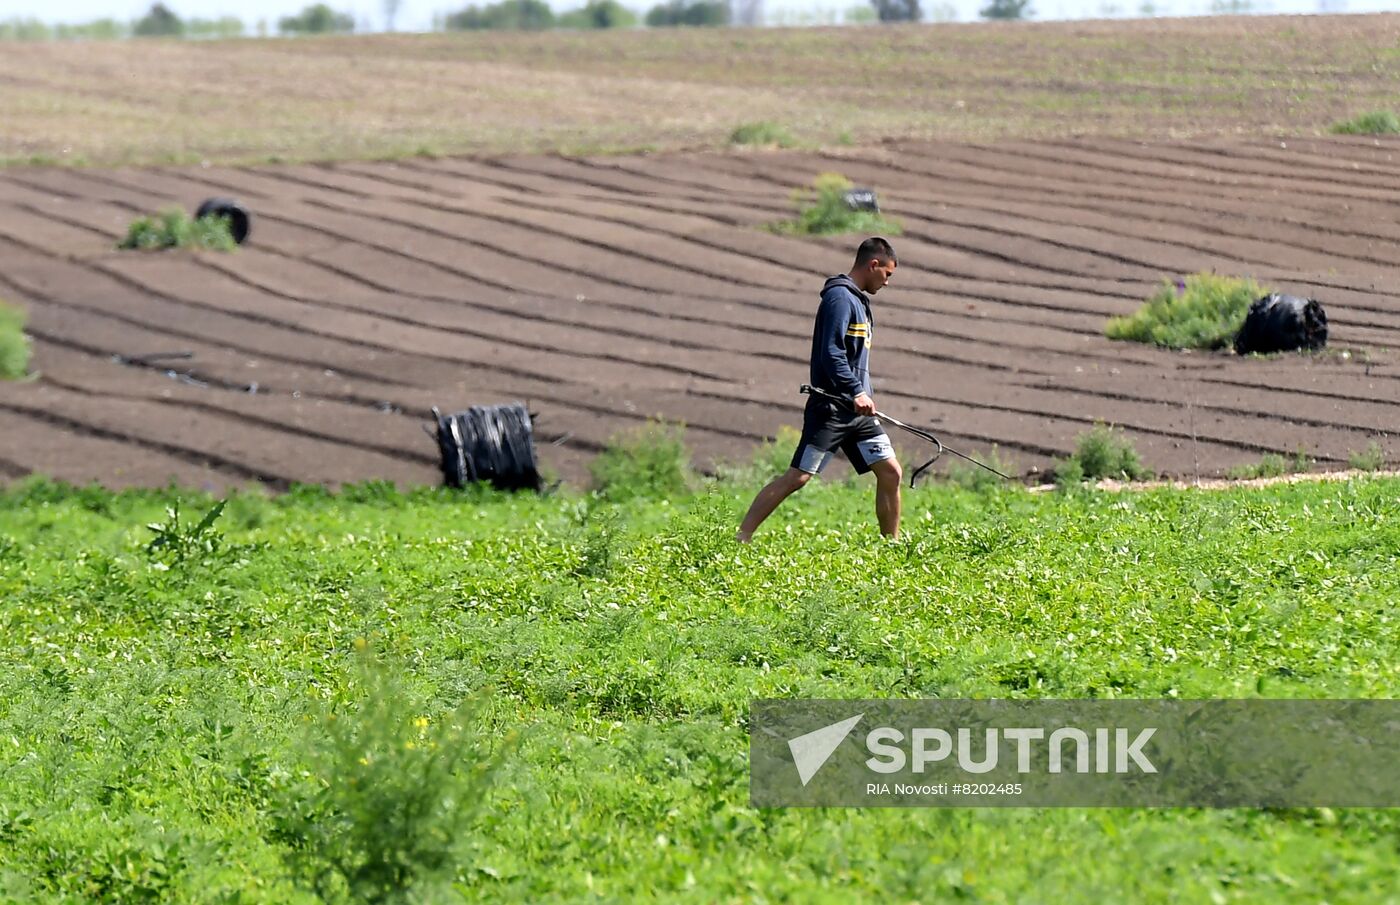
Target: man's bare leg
770,497
888,477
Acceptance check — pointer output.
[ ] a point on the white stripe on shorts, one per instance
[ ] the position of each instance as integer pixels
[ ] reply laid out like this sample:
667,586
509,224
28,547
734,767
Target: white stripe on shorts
813,460
875,449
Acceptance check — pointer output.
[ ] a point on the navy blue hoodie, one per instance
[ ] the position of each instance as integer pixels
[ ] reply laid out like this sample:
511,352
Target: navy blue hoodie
841,339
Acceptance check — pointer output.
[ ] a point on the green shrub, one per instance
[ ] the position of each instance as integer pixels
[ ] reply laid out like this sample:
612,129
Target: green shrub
822,211
1372,458
1377,122
648,461
173,228
762,134
698,13
14,345
897,10
317,19
1101,453
1204,311
510,15
159,22
1006,10
599,14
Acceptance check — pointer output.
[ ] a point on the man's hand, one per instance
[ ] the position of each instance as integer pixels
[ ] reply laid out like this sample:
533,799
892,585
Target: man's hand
863,404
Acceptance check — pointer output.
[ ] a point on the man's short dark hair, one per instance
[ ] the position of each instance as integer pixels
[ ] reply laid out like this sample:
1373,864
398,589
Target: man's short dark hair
875,248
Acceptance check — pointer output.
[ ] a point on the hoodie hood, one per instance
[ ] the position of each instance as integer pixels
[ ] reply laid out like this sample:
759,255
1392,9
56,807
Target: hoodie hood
844,280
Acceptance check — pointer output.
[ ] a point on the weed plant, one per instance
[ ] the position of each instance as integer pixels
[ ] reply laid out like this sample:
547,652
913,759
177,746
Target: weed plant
1302,462
648,461
386,796
1376,122
822,211
1372,458
1101,452
1270,466
173,228
177,542
762,134
14,345
1204,311
443,696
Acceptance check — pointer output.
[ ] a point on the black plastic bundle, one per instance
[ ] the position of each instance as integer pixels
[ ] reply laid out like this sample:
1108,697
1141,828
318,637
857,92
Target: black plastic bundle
489,443
1282,323
861,200
240,222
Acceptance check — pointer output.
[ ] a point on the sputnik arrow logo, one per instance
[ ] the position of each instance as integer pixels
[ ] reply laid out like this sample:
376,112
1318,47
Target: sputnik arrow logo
811,751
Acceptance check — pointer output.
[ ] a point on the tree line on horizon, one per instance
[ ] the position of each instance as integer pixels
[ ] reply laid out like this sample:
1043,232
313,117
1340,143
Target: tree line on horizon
509,15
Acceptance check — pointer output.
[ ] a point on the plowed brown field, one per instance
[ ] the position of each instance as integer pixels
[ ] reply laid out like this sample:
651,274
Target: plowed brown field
604,291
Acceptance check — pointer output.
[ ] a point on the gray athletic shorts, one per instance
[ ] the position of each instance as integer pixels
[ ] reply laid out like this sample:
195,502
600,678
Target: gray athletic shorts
827,427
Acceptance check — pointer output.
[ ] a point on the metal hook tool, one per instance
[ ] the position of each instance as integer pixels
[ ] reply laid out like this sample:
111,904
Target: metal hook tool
918,432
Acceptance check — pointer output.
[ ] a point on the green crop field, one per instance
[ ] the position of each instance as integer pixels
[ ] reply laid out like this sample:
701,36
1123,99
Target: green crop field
443,697
145,102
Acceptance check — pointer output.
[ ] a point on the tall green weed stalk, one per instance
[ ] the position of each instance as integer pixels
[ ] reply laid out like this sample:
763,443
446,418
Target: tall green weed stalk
387,797
599,549
178,544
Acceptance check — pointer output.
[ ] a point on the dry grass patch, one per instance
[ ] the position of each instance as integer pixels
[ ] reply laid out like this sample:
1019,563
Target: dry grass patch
381,96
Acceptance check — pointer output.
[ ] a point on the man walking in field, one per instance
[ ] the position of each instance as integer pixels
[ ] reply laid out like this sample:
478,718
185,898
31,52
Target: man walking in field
841,365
